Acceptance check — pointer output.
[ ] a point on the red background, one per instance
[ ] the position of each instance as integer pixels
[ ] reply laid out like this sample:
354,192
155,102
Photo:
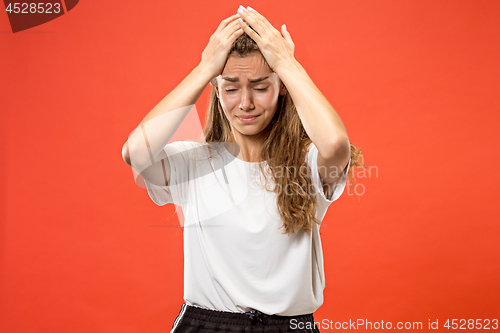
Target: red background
416,83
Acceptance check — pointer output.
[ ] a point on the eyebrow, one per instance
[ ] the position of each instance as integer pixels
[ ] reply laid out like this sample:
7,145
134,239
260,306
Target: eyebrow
236,79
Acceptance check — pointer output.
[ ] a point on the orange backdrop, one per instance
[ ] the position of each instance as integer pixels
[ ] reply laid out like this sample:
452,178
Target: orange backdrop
83,249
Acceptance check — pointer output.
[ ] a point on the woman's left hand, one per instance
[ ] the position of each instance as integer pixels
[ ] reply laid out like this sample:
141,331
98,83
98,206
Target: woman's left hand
276,47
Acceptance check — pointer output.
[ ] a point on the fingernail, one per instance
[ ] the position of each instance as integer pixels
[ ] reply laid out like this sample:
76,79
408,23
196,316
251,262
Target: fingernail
249,8
240,20
241,9
284,26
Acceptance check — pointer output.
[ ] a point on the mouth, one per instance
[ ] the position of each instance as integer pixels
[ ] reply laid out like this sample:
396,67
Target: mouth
248,118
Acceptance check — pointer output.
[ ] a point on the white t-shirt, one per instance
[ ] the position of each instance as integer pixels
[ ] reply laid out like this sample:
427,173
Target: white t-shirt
235,256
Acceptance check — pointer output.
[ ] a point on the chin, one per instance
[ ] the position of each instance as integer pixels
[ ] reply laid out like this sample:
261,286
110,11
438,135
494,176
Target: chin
249,133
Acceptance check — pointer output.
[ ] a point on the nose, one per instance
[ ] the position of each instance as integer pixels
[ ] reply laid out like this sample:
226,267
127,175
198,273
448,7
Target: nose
246,102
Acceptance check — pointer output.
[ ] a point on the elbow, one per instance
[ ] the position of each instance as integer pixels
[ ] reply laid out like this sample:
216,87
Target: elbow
343,147
339,148
126,154
137,159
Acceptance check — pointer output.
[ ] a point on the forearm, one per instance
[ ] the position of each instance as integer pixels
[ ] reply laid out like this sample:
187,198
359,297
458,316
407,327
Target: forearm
185,94
146,144
319,118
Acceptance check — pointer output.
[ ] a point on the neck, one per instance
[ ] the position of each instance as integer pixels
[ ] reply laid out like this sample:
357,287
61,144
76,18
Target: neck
250,146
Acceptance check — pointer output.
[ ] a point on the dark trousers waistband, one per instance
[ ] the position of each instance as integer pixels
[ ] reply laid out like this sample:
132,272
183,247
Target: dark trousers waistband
215,320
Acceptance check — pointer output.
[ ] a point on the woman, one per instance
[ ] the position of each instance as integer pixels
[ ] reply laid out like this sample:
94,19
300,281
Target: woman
253,256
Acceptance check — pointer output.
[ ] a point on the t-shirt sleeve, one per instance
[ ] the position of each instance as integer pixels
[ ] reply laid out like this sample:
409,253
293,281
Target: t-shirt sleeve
179,159
334,190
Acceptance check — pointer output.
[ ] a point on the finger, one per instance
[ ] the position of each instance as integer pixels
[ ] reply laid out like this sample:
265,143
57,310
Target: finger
286,34
226,21
236,34
250,31
230,28
252,20
260,18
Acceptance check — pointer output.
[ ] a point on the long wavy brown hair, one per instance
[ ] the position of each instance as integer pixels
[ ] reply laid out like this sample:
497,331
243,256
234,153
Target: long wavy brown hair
285,145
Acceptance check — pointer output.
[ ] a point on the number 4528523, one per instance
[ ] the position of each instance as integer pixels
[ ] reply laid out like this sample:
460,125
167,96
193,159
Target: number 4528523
464,324
32,8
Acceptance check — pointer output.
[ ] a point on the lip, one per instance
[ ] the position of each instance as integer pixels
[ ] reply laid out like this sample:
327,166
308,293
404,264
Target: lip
248,118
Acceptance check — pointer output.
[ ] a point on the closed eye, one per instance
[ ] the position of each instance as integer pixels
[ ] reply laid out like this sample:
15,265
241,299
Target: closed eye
263,89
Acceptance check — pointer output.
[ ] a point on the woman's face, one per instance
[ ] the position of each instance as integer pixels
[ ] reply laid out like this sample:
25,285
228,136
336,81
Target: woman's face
246,88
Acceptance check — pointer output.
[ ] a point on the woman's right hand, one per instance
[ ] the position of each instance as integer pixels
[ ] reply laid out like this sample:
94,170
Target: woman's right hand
215,54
